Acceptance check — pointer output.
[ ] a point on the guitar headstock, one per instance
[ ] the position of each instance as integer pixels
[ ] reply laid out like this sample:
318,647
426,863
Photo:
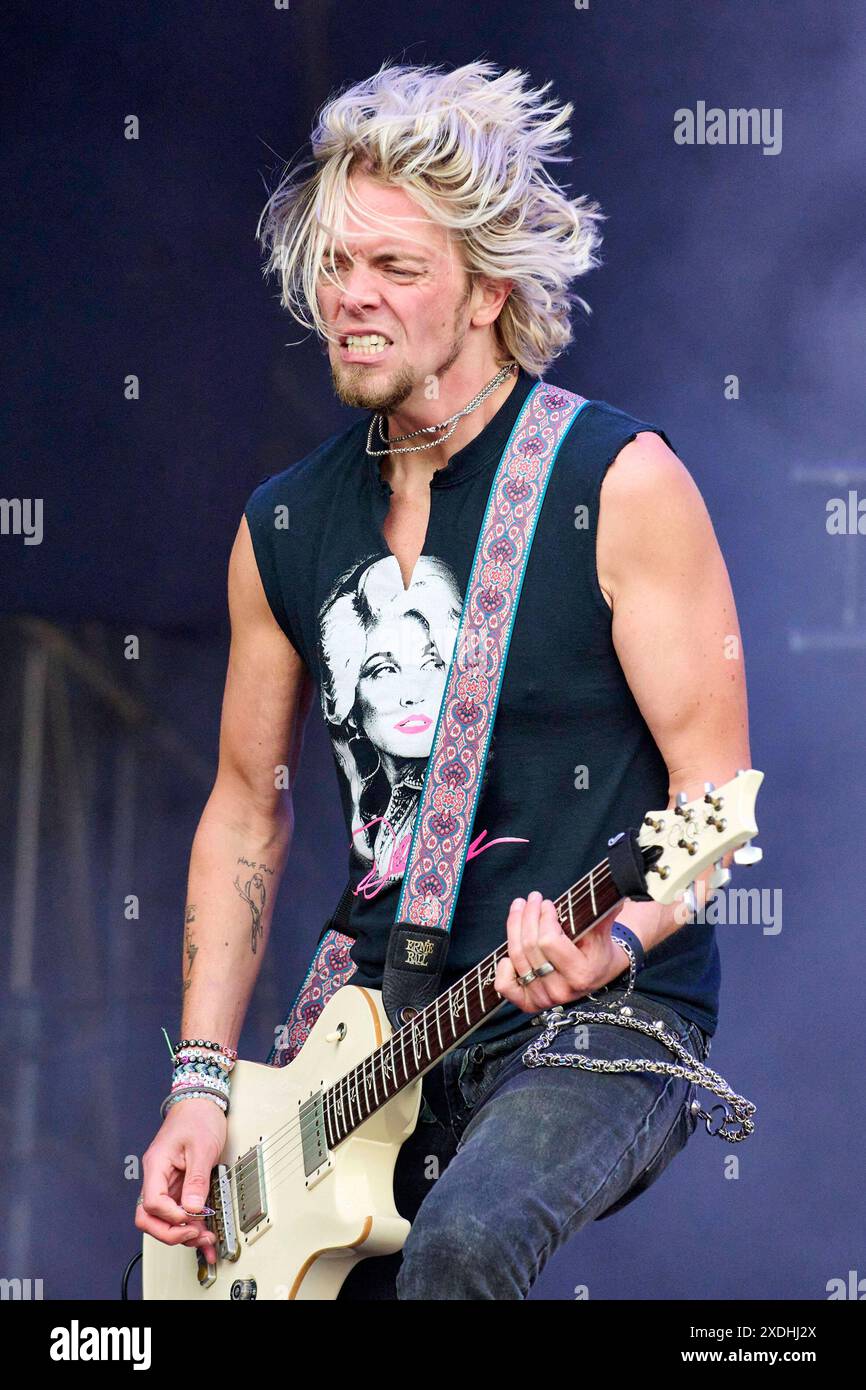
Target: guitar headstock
694,834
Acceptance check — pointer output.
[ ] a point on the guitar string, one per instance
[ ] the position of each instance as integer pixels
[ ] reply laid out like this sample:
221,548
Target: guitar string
296,1133
285,1165
406,1030
573,896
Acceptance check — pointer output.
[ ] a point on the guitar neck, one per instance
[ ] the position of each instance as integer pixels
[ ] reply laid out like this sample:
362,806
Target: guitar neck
416,1047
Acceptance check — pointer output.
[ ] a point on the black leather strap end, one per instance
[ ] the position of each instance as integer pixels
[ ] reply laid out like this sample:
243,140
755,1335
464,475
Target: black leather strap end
626,866
413,968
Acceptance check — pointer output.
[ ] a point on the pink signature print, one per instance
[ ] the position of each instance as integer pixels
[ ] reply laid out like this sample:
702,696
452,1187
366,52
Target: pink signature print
373,882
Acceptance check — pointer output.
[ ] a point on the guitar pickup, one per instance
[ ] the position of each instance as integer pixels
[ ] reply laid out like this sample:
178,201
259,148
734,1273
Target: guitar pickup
314,1144
250,1183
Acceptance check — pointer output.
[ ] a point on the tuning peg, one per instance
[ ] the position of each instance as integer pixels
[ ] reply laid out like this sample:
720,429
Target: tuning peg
748,854
691,902
721,877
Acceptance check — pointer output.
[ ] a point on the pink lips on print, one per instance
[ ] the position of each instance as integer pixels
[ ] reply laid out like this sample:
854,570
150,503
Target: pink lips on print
414,724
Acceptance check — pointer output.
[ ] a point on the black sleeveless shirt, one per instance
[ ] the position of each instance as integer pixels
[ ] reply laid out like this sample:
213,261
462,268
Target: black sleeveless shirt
571,761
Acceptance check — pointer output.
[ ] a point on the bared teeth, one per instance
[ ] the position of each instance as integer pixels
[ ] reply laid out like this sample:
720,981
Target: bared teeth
366,342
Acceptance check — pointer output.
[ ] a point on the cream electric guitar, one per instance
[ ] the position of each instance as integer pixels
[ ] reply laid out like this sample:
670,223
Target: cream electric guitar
304,1187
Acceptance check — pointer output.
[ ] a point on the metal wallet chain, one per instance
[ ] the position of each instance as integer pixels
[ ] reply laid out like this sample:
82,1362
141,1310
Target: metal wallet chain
735,1122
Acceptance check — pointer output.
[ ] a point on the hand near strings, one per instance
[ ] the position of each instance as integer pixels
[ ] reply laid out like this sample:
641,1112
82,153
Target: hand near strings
535,938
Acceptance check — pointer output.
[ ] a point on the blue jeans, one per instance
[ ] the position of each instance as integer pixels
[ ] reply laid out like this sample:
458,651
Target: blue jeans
508,1161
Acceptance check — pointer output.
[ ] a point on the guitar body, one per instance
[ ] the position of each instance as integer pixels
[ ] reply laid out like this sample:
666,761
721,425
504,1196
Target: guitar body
313,1226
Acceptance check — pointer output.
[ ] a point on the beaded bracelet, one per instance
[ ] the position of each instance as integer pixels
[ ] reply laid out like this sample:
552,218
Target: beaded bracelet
210,1083
228,1052
173,1097
202,1069
203,1054
211,1046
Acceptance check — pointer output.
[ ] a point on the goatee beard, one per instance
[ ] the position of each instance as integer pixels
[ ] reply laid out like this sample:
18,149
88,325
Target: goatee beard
354,388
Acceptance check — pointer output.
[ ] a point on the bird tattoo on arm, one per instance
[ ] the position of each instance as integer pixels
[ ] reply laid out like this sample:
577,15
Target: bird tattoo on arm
255,895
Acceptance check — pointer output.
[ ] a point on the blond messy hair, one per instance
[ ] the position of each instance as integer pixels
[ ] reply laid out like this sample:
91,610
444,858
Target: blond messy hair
469,146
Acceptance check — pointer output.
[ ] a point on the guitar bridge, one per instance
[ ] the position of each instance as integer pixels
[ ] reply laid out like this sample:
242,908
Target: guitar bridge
222,1223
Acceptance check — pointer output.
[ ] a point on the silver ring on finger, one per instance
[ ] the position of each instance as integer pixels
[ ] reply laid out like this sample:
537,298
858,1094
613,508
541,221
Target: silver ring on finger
527,978
545,969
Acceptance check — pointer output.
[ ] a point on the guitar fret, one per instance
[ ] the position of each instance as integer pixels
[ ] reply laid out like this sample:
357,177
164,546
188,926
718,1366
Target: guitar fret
364,1096
335,1116
367,1079
336,1113
570,911
349,1097
361,1097
592,895
373,1076
452,1010
384,1068
341,1108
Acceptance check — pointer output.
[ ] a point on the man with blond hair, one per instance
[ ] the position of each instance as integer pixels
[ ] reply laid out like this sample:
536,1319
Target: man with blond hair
434,255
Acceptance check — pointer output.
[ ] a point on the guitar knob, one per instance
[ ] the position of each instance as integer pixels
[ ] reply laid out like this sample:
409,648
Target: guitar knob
748,854
715,801
720,877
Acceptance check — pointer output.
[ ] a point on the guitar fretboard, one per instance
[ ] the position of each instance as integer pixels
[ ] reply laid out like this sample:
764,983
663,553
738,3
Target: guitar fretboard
419,1044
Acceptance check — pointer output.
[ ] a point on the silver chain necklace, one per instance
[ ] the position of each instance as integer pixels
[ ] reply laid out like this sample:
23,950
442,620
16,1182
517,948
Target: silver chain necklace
434,429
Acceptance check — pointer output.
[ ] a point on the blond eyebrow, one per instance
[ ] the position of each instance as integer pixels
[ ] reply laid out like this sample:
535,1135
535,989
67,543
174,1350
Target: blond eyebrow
391,254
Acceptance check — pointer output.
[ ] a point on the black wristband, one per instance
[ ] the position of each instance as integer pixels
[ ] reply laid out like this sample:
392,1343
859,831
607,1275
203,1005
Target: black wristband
620,932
